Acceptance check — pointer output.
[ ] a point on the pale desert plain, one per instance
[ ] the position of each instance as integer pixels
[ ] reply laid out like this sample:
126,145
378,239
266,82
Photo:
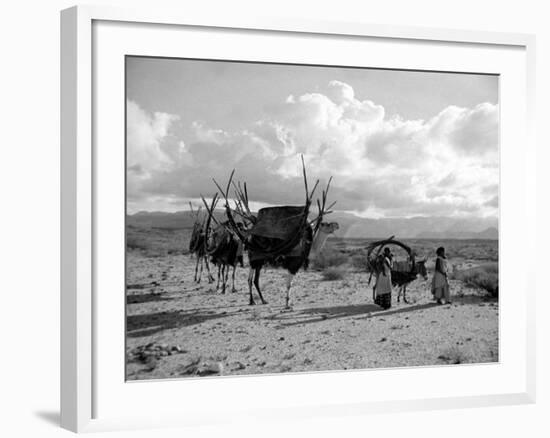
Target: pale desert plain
177,328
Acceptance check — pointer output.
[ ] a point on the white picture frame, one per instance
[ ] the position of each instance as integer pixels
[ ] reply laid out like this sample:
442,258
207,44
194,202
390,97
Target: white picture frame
85,375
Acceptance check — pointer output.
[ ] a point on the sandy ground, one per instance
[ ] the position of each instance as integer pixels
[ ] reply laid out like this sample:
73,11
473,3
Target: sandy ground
177,328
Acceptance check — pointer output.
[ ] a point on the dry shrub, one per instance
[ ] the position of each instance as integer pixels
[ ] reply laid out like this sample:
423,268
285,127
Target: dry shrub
328,259
359,262
484,276
136,242
333,273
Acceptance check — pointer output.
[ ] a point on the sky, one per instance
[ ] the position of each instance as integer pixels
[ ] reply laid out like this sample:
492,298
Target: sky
396,143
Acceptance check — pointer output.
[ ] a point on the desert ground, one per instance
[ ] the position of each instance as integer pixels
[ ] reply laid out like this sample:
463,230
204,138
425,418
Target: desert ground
177,328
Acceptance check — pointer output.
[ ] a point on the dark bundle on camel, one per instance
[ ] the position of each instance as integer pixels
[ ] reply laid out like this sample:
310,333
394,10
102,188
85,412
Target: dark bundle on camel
402,273
282,236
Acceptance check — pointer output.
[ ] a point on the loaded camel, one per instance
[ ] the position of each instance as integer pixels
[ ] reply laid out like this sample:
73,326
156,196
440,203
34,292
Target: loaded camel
403,272
226,251
281,236
197,246
222,246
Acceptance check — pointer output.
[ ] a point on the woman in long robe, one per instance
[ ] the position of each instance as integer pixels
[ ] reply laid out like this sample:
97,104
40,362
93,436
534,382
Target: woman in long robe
383,286
440,282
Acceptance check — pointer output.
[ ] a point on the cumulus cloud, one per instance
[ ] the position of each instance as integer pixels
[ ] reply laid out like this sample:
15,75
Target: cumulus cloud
151,149
447,165
471,131
144,134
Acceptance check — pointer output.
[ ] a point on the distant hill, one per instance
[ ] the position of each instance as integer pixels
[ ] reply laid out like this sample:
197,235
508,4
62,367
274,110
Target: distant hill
161,219
487,234
416,227
352,226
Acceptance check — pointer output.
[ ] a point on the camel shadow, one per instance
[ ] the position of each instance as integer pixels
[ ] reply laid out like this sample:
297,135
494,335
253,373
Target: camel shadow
138,326
406,309
472,298
360,311
146,298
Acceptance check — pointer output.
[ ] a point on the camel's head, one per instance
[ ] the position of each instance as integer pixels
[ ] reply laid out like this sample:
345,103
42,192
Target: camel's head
321,236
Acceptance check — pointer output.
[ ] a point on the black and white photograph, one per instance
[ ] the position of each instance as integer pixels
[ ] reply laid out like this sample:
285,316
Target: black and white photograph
287,218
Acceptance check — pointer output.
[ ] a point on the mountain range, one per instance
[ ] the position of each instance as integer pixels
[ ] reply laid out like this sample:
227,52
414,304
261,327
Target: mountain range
352,226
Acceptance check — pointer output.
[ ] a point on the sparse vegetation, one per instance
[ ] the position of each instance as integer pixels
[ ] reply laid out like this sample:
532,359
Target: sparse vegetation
156,242
359,262
484,276
333,273
136,242
329,258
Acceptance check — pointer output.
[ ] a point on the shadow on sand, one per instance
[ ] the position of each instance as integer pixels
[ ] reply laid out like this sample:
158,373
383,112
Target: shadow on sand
148,324
146,298
361,311
369,311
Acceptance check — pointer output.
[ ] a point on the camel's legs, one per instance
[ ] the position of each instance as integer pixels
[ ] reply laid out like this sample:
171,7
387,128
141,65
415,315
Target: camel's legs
289,278
225,272
227,268
250,280
196,267
210,276
200,262
219,276
405,294
233,289
257,284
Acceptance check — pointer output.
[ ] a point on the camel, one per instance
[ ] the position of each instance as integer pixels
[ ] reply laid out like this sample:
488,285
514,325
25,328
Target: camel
225,251
281,236
307,249
197,246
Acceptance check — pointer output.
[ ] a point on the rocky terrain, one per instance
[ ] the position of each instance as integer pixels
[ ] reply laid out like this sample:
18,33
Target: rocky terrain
177,328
